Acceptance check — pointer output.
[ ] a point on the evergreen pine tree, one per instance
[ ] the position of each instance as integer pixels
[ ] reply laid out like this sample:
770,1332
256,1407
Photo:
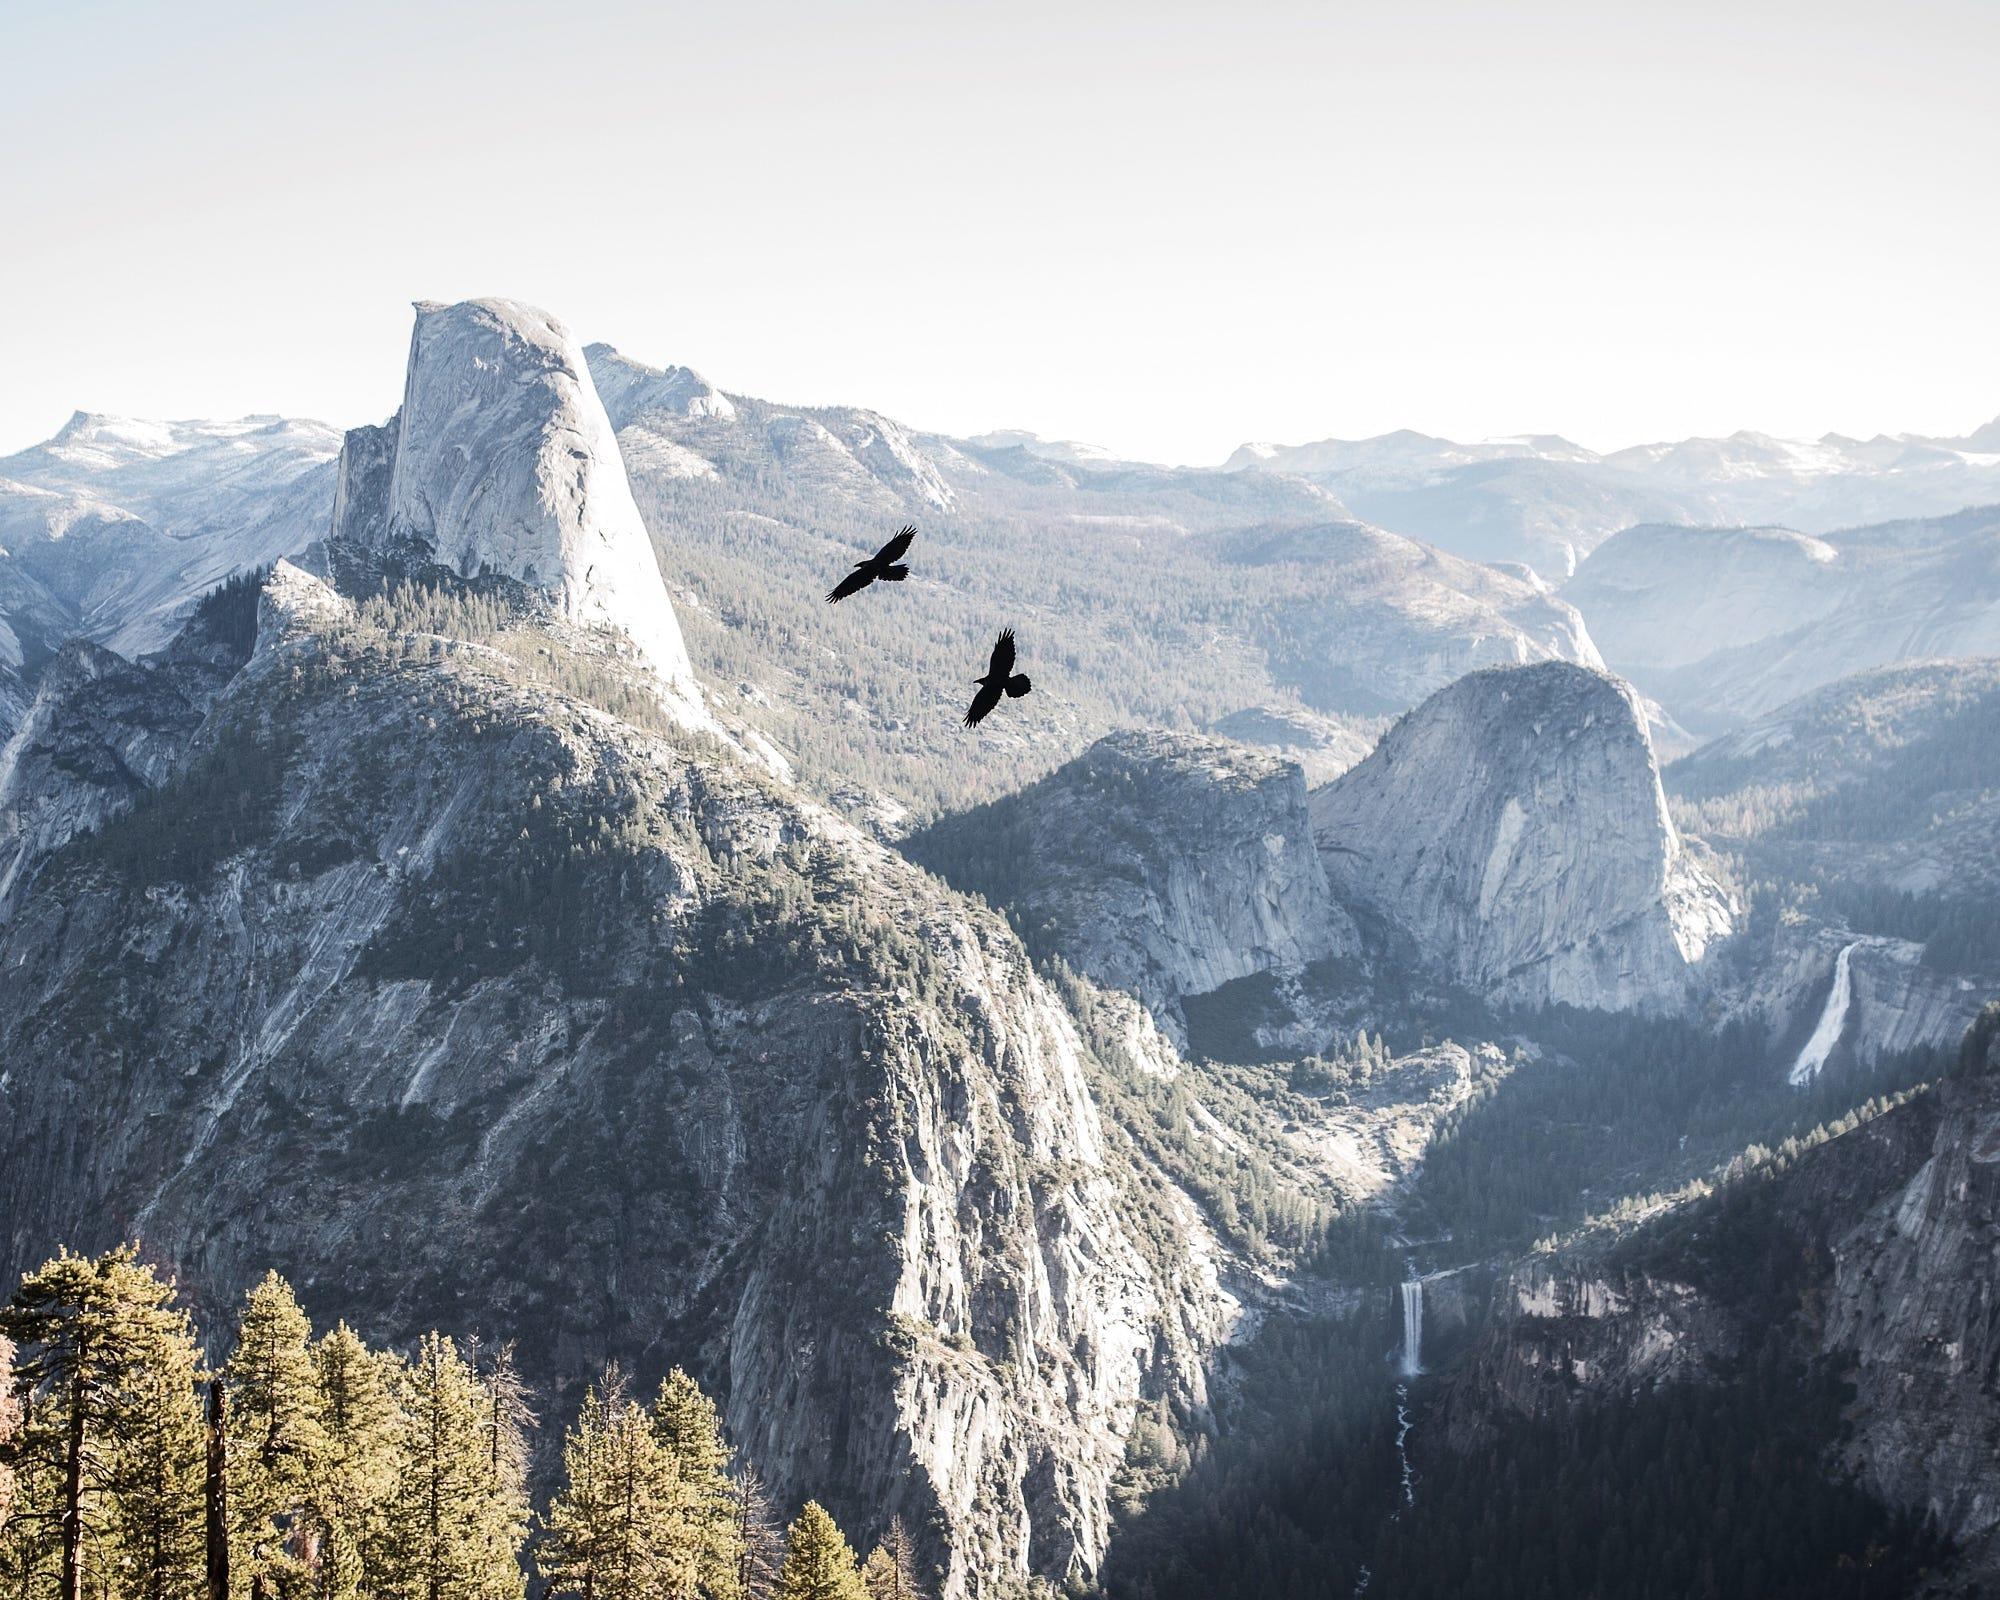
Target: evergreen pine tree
689,1431
505,1423
275,1443
10,1425
575,1551
618,1528
215,1489
448,1535
819,1562
155,1523
360,1428
30,1539
87,1332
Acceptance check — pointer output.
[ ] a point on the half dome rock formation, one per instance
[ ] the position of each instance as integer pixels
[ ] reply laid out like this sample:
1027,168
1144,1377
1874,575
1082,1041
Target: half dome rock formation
502,462
1161,864
1514,829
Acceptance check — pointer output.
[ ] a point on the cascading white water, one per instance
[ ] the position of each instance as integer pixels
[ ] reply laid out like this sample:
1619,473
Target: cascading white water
1410,1363
1413,1324
1834,1018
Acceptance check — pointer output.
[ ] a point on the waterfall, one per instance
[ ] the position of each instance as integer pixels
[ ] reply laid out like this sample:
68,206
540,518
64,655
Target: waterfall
1413,1324
1410,1365
1831,1021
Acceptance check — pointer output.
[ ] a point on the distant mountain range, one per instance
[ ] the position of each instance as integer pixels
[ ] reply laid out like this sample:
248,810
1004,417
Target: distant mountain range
1727,624
112,528
1545,501
1294,585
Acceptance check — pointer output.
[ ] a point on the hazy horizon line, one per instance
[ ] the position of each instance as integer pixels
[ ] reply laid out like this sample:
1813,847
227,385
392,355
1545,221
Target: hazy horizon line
1054,438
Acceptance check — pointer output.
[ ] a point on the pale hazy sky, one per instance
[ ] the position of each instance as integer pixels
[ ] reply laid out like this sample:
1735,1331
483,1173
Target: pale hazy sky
1163,228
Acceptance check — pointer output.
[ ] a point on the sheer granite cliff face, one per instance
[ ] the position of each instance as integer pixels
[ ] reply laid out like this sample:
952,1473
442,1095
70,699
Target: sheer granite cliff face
1160,864
503,462
480,1008
1896,1000
1513,828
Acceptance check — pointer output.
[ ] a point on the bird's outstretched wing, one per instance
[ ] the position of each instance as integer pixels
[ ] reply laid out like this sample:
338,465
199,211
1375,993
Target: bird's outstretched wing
893,550
1003,655
857,580
983,702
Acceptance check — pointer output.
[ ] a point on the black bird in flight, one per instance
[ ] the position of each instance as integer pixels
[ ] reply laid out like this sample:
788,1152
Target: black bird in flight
882,564
1001,678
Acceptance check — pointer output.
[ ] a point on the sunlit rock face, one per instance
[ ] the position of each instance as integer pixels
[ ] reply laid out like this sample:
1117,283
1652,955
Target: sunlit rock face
503,462
1161,864
1513,828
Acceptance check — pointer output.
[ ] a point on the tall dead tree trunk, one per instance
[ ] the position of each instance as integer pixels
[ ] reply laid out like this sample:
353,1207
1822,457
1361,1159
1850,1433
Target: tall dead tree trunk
215,1491
72,1509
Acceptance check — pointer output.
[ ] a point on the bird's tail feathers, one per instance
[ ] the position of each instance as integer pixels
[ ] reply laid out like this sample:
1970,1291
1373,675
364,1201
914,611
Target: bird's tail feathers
1018,685
893,574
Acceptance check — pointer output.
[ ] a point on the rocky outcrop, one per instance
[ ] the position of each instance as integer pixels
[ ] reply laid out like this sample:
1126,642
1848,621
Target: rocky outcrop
1324,747
631,389
1624,1309
1159,864
673,423
502,463
1514,830
99,731
467,1004
1557,1333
